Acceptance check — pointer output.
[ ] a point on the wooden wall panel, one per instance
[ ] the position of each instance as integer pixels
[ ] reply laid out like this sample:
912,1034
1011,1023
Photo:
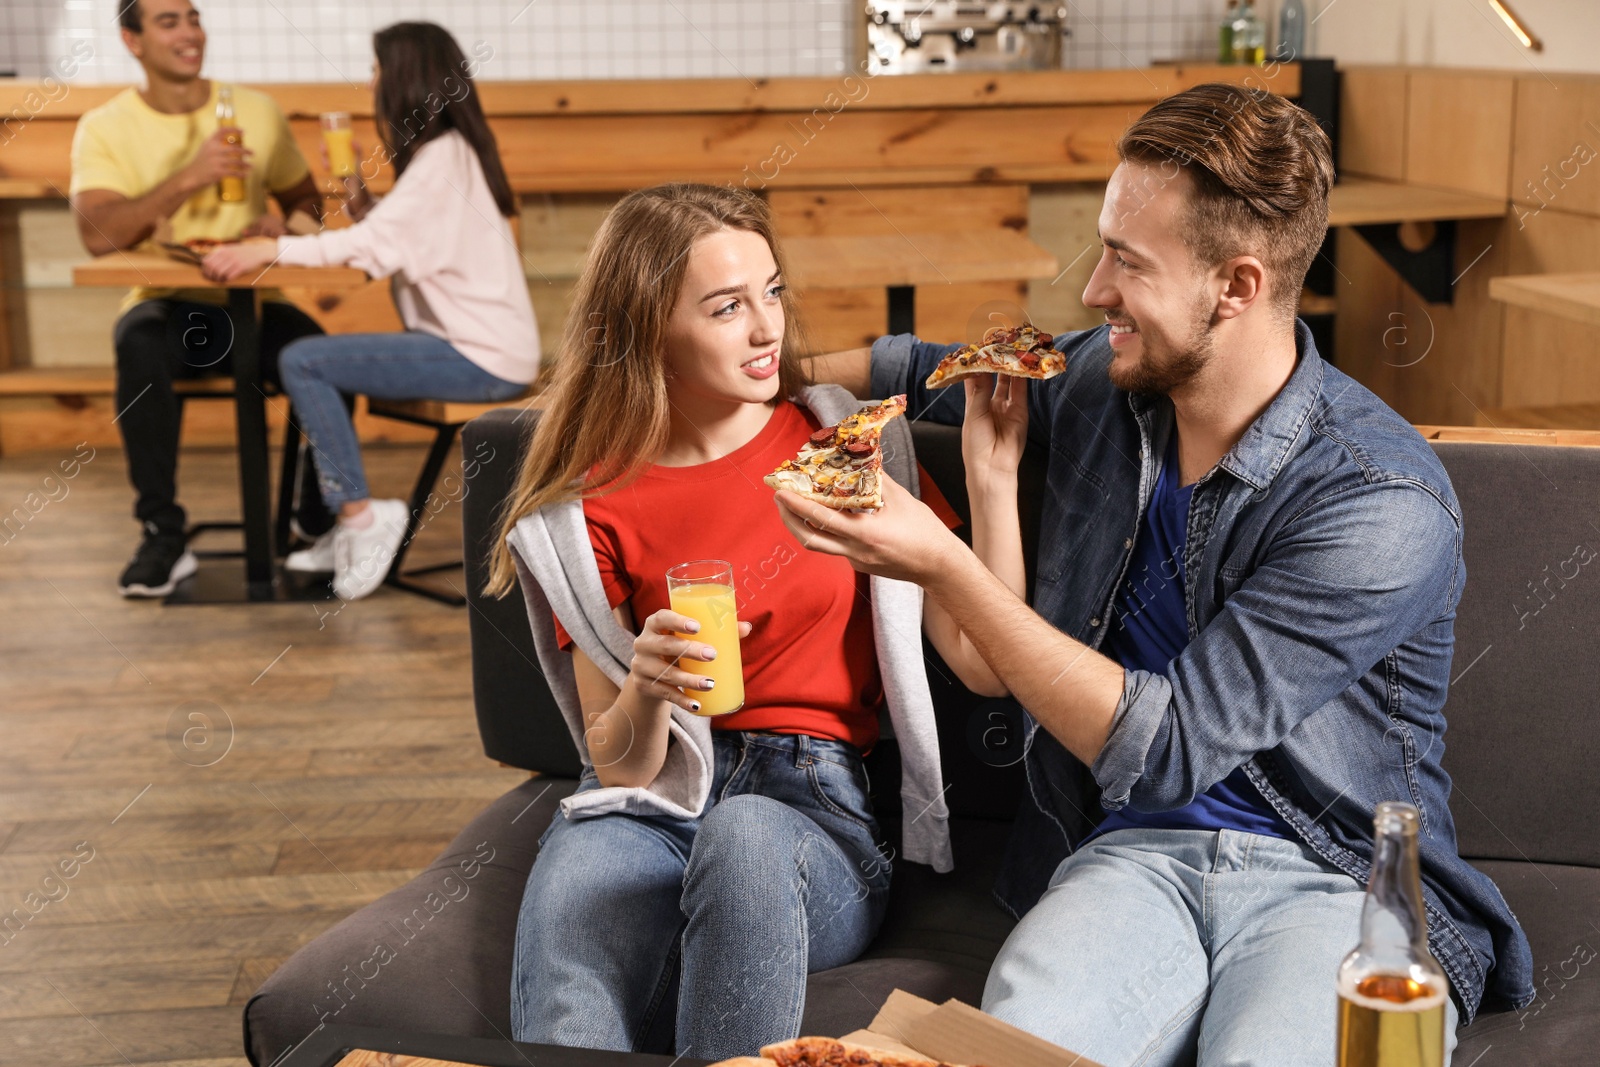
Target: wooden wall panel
1433,363
1555,160
849,318
713,95
71,327
1458,130
1372,122
1551,360
892,209
615,152
1064,219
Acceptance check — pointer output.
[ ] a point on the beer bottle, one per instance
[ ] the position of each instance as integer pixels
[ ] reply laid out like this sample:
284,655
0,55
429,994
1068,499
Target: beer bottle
1391,990
231,187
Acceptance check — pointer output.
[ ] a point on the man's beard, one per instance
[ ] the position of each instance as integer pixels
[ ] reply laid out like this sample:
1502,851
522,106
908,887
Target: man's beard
1164,367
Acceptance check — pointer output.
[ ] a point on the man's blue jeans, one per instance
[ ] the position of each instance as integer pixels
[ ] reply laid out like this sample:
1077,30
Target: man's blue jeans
1167,947
386,366
781,875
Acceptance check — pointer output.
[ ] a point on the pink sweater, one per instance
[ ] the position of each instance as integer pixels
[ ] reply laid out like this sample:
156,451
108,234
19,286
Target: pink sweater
456,266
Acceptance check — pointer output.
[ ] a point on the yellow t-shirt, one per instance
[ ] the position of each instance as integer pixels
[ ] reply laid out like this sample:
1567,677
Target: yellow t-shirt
128,147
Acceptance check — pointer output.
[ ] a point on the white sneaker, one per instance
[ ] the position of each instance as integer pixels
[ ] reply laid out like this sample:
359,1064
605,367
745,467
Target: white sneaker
361,558
316,559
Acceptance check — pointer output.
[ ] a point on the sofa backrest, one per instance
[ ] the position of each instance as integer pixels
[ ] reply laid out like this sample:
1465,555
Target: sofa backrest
1520,746
1525,676
517,716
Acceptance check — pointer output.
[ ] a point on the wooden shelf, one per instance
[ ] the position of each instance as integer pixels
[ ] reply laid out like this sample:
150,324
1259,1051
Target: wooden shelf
1361,202
916,259
1571,296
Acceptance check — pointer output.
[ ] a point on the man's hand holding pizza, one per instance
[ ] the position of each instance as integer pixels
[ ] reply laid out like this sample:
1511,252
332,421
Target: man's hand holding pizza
904,539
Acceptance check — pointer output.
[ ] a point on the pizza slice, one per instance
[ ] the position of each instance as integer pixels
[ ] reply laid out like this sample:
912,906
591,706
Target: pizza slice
1021,351
202,245
842,466
829,1052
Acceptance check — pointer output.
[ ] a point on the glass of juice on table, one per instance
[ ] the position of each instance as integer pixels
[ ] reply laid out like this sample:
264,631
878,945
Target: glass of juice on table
337,135
703,590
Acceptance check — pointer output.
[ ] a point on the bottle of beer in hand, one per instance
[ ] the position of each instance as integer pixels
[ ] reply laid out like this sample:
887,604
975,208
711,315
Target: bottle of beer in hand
231,187
1391,990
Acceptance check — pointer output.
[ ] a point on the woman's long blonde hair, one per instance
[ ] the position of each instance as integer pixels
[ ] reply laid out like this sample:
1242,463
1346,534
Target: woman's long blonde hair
607,418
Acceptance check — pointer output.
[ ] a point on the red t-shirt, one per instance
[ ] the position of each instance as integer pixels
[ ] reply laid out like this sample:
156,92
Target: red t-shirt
810,663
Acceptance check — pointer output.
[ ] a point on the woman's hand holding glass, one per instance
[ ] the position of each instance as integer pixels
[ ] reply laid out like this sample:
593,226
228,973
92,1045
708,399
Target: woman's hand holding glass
655,672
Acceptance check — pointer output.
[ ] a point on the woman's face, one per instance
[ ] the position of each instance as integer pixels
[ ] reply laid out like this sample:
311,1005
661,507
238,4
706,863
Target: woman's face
726,330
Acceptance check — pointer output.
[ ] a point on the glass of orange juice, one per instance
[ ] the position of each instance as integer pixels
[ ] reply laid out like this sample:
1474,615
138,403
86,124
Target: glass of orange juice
703,590
337,137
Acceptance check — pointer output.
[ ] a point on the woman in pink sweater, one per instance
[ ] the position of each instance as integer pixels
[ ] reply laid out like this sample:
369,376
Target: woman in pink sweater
442,234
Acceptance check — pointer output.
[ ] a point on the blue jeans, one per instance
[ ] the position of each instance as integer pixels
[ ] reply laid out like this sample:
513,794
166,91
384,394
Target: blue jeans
1167,947
781,875
385,366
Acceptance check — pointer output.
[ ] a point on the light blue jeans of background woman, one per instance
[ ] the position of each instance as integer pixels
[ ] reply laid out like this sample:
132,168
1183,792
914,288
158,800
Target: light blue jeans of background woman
1168,948
386,366
781,875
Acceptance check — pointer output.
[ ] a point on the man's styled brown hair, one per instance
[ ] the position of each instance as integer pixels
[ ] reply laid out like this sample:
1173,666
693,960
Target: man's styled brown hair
1261,168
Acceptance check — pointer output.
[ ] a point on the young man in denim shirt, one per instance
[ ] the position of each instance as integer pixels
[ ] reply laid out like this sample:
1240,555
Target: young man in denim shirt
1242,620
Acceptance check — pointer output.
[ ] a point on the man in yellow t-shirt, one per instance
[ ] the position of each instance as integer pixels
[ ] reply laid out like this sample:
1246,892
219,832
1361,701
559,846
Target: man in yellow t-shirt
146,165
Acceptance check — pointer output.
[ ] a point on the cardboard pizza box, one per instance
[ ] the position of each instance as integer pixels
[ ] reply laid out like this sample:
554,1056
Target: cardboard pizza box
958,1033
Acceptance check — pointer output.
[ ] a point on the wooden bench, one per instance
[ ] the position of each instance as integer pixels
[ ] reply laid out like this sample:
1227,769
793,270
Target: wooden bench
445,418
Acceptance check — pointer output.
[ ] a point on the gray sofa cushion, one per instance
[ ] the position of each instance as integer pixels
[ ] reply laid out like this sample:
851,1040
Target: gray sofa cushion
433,956
1559,907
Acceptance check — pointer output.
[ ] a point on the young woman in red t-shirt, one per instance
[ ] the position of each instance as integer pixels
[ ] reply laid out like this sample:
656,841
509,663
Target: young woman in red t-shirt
671,402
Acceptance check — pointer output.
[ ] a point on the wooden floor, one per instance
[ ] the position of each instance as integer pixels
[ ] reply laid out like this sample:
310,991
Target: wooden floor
242,777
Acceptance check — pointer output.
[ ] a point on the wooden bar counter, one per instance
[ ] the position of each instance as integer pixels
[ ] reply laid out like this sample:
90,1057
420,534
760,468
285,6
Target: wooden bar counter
1027,126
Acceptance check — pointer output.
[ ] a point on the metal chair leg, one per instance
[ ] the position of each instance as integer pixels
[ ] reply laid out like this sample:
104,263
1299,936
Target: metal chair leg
444,440
288,471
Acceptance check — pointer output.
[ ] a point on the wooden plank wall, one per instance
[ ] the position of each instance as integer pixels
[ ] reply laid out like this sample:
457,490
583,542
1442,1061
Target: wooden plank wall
1492,133
849,318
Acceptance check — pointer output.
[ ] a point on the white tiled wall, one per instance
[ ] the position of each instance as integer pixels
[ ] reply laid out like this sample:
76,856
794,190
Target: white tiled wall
1136,33
330,40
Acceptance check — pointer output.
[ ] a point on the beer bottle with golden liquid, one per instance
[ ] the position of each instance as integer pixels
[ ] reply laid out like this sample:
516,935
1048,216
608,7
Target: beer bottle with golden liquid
1391,990
231,187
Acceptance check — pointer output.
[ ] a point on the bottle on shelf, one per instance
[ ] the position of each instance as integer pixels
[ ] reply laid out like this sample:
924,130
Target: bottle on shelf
1391,990
231,187
1249,36
1291,31
1225,32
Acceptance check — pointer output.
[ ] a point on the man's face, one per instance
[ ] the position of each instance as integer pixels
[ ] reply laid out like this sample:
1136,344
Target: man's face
171,42
1159,301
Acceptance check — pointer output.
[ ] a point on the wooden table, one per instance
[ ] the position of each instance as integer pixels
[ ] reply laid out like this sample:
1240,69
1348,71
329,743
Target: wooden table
126,269
1571,296
902,261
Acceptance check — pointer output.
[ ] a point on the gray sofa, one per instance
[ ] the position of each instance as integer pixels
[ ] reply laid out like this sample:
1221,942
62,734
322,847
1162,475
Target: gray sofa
435,955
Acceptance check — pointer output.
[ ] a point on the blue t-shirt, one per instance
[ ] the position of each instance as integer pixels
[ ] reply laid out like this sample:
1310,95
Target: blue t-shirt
1149,630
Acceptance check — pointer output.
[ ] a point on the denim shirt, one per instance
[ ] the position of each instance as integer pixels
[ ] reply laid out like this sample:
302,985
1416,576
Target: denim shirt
1322,571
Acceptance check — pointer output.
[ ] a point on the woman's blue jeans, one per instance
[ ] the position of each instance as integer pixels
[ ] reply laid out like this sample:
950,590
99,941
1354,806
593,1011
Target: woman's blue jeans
385,366
781,875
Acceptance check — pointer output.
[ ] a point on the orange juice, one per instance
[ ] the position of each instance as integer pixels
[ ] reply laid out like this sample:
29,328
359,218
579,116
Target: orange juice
341,153
712,605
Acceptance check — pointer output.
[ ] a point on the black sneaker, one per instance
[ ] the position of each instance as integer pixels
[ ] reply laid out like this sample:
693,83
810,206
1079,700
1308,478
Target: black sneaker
162,561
